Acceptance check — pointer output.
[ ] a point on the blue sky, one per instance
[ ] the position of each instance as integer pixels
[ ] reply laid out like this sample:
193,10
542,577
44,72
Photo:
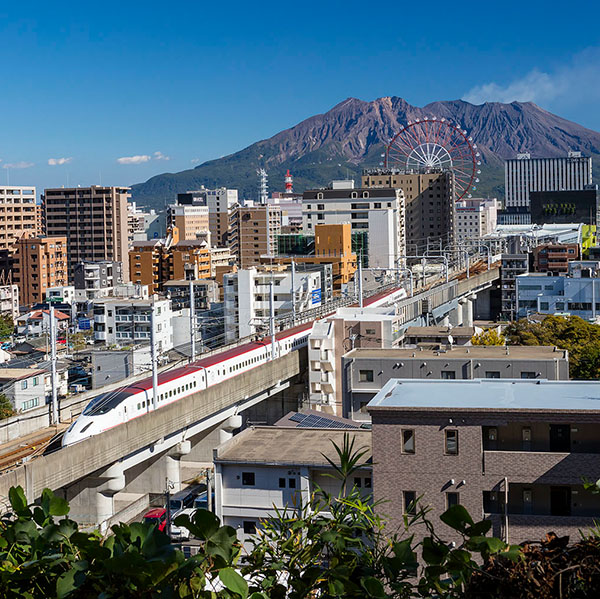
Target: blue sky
86,84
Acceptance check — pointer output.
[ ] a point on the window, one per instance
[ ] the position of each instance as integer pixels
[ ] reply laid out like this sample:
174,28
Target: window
448,374
23,384
527,375
292,483
370,331
452,498
248,479
410,498
35,381
492,374
320,206
367,483
451,442
249,527
543,305
408,441
357,482
282,483
365,376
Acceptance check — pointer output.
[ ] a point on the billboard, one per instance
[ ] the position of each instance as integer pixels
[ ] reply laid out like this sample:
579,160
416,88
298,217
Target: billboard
316,296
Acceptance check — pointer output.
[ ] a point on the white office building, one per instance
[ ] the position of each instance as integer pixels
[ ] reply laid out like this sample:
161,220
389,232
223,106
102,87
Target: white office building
476,217
525,174
247,297
127,321
380,211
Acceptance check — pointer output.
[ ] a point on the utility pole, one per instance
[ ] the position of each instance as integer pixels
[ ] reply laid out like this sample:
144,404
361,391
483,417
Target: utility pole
55,417
192,322
272,318
168,486
360,282
154,358
293,292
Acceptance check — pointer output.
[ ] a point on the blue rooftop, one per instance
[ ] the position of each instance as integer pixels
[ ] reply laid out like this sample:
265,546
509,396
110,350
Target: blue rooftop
489,394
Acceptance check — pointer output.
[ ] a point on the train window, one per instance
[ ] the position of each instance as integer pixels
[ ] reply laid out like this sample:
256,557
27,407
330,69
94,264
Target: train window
139,406
125,409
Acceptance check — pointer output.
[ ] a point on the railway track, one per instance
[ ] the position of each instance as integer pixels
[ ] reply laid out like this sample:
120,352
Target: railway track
15,457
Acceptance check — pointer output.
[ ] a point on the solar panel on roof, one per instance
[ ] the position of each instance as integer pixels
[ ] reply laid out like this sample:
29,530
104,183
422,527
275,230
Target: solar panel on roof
314,421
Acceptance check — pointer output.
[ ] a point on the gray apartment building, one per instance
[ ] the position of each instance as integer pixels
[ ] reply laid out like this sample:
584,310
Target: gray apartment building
514,452
366,371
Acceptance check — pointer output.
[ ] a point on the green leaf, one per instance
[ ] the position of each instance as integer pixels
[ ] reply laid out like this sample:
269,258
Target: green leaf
233,582
457,517
373,587
479,529
203,525
433,551
58,506
68,582
17,498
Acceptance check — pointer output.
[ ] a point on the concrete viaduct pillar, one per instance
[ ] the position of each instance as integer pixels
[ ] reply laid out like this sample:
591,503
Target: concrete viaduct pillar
227,428
173,463
468,312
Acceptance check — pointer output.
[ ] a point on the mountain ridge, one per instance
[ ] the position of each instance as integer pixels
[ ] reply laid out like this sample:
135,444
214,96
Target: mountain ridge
339,142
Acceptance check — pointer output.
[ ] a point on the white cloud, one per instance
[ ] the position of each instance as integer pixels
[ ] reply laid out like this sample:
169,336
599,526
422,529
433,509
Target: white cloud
134,159
59,161
195,161
161,156
21,164
567,85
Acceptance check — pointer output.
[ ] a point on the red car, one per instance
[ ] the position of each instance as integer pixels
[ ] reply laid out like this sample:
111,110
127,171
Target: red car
157,516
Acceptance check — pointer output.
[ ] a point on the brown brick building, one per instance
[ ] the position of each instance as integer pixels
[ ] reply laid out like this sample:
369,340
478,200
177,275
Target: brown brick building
511,451
554,257
93,219
253,233
40,262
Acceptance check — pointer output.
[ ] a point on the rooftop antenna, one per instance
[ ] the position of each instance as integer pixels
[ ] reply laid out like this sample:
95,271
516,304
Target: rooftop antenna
263,187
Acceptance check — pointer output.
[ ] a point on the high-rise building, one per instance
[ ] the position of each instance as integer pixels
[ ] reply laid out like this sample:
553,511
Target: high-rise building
578,206
253,233
40,262
93,219
430,203
18,214
220,203
189,219
378,211
525,174
475,217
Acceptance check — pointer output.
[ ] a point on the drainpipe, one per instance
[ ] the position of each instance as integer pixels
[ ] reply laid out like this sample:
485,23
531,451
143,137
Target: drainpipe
506,509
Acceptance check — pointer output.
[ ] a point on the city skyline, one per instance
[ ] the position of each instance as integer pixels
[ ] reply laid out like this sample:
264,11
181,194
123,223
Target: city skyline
117,95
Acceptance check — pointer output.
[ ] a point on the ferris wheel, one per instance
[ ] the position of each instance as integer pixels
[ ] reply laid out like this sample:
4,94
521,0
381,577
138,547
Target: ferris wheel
432,144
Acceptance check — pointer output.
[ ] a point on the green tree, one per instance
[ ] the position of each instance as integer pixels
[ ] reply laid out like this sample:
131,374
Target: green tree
6,408
488,337
7,326
580,338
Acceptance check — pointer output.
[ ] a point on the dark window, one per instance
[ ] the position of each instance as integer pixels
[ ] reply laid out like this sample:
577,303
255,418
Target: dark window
248,479
560,501
249,527
365,376
527,375
560,438
357,482
292,483
282,483
408,441
410,498
367,483
451,445
492,374
448,374
452,498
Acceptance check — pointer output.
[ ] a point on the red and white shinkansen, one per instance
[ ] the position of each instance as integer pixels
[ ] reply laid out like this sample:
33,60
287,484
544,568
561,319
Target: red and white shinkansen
110,409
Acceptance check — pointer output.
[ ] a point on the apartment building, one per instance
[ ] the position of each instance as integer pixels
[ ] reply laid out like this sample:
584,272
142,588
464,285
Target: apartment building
253,233
429,200
512,265
525,174
577,293
475,218
126,321
512,451
380,212
156,261
93,219
9,300
247,297
97,278
18,215
366,371
190,219
136,223
24,387
39,263
265,469
206,292
554,257
332,245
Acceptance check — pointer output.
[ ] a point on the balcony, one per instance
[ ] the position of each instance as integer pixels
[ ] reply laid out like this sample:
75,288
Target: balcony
542,466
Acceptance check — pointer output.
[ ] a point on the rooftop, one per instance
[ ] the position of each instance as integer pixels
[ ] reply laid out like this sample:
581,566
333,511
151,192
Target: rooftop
273,445
15,374
493,395
475,352
439,331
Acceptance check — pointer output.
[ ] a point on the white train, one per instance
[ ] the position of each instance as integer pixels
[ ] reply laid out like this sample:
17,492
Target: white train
110,409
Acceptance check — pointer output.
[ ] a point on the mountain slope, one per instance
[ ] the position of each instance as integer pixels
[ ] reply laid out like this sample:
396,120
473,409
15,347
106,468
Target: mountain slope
351,135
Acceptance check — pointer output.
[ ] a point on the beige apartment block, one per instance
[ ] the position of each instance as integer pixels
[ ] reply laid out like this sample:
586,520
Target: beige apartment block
253,233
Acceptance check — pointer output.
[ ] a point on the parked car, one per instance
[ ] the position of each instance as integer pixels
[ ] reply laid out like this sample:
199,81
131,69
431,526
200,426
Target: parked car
201,501
157,516
180,532
182,500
